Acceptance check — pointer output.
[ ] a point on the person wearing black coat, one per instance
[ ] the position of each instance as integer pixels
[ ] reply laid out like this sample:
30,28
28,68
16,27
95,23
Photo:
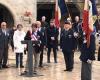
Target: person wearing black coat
77,27
52,38
43,22
87,56
68,44
4,41
42,37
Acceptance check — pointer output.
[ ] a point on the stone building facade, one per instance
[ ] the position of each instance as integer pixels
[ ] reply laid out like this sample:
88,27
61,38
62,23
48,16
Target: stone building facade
15,11
27,11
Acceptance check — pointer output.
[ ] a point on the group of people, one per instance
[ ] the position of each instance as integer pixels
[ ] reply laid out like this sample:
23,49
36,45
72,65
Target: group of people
40,31
72,37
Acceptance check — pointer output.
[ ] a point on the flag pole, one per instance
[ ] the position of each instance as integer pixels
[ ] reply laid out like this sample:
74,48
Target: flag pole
97,16
68,12
98,21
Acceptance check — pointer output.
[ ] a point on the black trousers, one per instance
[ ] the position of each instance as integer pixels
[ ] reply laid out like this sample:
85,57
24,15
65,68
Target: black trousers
69,59
19,59
49,52
99,54
3,56
86,71
78,46
41,55
12,44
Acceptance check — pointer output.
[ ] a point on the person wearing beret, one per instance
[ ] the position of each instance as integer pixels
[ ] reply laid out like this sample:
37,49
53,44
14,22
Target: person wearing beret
68,44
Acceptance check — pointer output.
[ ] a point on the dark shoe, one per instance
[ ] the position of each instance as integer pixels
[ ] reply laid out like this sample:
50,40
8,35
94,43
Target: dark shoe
40,66
21,66
0,67
5,66
34,72
70,70
65,70
55,61
25,71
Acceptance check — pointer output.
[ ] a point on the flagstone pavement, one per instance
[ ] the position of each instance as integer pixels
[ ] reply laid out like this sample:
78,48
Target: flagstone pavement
50,71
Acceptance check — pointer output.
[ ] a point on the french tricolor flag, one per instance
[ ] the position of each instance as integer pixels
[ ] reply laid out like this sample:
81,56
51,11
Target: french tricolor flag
88,22
60,9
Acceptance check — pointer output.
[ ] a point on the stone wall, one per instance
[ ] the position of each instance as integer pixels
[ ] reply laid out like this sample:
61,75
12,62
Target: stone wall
18,8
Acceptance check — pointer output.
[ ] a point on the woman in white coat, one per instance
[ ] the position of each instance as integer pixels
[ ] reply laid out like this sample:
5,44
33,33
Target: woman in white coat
18,46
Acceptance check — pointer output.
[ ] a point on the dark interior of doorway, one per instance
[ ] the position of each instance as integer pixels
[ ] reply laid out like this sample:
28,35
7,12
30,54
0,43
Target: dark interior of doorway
73,10
5,15
48,11
44,12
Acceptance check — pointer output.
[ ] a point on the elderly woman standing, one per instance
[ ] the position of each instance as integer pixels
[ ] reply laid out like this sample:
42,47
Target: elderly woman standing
18,46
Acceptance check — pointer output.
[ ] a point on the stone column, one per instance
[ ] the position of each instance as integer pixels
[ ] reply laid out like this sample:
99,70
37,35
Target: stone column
34,10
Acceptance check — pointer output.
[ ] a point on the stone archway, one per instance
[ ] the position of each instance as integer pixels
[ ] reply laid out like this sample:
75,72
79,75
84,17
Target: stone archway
74,10
47,9
6,15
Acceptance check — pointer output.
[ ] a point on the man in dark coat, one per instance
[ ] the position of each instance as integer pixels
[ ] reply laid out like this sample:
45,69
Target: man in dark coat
77,27
68,43
42,37
87,56
4,40
52,36
43,22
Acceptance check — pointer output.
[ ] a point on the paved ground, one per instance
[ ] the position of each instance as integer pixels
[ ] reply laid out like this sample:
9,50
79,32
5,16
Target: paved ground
50,71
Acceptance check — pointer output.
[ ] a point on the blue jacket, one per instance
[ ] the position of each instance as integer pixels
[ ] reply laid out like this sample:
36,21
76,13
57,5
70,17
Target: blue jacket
67,41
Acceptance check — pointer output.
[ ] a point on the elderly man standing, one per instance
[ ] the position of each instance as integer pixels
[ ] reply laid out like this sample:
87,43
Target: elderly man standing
77,27
42,38
43,22
4,40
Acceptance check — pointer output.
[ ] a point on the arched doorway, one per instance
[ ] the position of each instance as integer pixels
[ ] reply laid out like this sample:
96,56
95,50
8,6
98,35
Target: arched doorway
47,9
6,15
74,10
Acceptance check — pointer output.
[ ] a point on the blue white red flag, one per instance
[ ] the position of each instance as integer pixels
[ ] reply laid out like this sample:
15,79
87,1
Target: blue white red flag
60,9
88,20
